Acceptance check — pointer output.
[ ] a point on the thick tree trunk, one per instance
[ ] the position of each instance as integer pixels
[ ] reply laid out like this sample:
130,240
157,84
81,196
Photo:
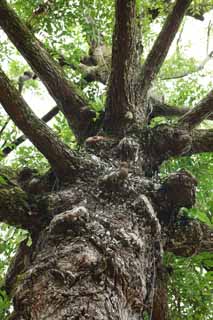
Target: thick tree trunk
98,232
97,259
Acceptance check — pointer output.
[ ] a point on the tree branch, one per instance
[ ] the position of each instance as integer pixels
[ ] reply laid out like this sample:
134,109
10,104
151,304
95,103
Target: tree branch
202,141
4,126
54,150
187,73
199,16
199,113
126,51
158,109
71,103
189,238
162,44
47,117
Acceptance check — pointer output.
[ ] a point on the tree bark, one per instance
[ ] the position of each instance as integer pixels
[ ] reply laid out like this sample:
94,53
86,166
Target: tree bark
121,99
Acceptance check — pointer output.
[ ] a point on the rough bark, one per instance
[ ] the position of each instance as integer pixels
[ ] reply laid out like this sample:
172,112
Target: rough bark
189,237
121,104
86,254
97,245
166,141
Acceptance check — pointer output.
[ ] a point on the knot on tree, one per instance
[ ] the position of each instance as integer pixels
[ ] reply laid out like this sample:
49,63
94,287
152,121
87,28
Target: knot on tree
186,240
74,220
177,191
128,149
163,142
115,178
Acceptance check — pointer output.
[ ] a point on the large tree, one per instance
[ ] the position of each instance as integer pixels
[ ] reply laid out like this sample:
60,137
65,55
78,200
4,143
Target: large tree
100,218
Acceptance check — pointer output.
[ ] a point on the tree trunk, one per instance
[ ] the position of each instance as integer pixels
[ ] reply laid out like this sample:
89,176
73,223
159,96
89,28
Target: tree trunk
96,259
100,219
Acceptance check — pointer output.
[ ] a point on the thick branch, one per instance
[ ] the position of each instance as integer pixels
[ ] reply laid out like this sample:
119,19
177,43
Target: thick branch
189,238
200,16
199,113
125,65
164,142
47,117
161,46
202,141
177,191
158,109
66,95
57,153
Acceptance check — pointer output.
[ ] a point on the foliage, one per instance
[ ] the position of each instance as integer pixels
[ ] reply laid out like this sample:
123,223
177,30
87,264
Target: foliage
10,237
190,287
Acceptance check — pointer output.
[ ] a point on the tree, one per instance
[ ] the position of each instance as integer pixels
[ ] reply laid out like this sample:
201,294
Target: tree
101,217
